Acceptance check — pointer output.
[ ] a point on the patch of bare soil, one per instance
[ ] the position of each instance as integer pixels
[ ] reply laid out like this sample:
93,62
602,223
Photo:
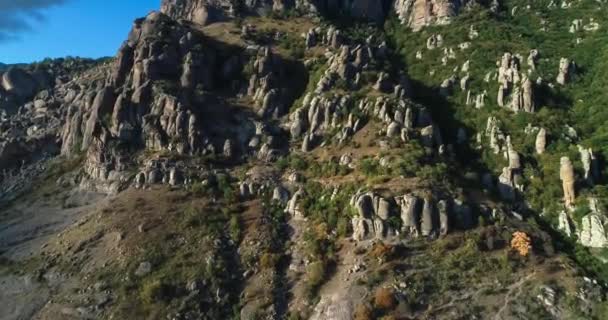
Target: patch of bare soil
341,294
29,224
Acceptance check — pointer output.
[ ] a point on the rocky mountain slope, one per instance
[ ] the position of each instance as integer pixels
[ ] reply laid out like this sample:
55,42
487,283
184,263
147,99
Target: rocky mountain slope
313,160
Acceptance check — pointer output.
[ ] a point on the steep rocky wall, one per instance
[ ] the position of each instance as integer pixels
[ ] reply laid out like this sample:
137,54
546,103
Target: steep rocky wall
417,14
208,11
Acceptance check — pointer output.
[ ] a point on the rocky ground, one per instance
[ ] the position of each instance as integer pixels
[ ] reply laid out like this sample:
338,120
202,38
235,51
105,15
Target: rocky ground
312,160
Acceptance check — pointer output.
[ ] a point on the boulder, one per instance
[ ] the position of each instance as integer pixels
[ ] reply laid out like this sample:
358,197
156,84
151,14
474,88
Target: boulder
20,83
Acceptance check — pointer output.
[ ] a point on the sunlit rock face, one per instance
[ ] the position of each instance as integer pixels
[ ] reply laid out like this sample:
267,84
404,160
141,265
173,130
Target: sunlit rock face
209,11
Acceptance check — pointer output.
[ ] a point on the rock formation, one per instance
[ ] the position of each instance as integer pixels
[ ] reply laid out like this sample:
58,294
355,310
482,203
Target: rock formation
209,11
528,95
428,220
564,223
444,217
566,174
594,227
506,184
410,214
519,88
373,212
566,69
417,14
590,165
541,141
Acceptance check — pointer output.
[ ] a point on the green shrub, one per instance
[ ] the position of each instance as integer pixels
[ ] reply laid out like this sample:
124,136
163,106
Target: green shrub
315,275
235,228
154,291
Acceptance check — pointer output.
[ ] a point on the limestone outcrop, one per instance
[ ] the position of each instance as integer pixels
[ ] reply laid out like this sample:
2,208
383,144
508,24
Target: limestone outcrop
566,70
417,14
594,227
419,216
516,91
566,175
590,165
373,212
541,141
209,11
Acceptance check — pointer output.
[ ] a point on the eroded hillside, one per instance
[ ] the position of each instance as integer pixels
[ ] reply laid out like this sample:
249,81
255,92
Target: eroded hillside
313,160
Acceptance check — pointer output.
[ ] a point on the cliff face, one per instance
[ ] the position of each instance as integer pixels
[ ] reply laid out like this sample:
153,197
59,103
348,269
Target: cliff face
208,11
417,14
198,11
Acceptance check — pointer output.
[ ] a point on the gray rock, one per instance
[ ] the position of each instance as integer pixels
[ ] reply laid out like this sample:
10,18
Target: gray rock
175,177
20,83
528,96
564,223
280,194
427,224
541,141
506,184
143,269
293,207
514,160
102,105
593,231
427,136
384,209
416,13
140,180
410,216
590,166
566,69
444,217
229,149
393,129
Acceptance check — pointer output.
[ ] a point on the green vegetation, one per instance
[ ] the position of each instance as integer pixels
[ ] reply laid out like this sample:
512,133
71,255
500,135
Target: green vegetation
580,104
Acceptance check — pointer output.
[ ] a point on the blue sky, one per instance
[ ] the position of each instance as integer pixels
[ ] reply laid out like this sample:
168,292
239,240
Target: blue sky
31,30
